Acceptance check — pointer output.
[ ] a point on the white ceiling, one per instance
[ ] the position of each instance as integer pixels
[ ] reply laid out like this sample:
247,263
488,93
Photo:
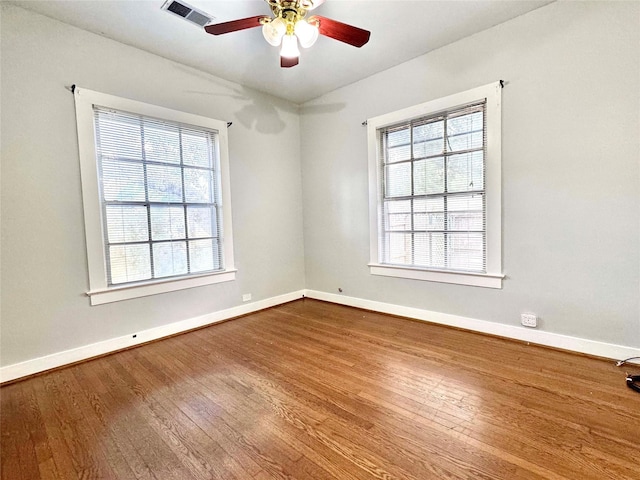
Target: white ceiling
400,30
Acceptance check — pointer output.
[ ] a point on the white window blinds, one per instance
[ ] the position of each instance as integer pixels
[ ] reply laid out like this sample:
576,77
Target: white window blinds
160,196
433,209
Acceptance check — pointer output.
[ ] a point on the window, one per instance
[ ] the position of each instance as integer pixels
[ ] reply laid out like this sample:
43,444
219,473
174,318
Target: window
156,198
435,190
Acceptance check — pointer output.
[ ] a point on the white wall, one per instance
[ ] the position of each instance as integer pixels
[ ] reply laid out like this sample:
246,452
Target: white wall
44,274
571,174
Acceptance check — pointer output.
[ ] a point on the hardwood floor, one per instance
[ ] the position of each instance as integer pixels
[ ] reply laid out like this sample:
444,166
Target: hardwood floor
310,390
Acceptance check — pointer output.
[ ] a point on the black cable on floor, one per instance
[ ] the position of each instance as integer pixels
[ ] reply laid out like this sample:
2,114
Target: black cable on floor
633,381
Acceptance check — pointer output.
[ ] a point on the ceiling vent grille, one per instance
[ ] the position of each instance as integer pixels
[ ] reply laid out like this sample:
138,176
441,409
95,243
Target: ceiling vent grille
187,12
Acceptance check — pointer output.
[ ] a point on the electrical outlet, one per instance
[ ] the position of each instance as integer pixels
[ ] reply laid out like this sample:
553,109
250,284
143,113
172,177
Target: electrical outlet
246,297
529,320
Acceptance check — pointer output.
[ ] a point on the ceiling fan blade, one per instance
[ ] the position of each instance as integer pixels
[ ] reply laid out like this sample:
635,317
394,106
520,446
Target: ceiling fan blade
341,31
288,62
234,25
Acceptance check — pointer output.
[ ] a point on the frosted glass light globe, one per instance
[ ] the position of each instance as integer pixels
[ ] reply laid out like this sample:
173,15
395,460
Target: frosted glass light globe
274,31
290,47
307,34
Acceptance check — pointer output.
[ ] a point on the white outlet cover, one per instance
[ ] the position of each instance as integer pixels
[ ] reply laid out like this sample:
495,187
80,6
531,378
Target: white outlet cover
246,297
529,320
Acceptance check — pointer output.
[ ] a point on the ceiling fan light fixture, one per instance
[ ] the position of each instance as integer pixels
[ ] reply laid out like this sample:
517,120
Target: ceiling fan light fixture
289,25
274,31
307,33
290,46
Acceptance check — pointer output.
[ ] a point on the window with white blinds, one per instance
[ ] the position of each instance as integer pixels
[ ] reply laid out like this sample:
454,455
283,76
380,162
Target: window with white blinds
435,201
155,184
433,211
160,197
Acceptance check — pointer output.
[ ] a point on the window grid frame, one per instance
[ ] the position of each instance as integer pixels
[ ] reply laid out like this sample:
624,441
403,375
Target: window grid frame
445,154
213,170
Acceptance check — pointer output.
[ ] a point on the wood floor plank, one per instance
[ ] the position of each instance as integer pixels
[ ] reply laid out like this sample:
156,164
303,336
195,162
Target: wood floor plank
308,381
51,428
128,420
100,407
232,451
96,432
280,462
202,440
11,435
230,419
86,450
33,423
310,390
185,442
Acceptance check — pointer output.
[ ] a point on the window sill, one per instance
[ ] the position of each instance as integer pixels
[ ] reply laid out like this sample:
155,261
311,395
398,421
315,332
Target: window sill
126,292
460,278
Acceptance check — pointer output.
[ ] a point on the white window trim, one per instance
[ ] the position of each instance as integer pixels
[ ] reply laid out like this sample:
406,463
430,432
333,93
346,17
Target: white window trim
99,290
493,188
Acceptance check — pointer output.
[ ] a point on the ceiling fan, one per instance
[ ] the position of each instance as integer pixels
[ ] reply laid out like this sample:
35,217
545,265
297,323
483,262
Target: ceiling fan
289,26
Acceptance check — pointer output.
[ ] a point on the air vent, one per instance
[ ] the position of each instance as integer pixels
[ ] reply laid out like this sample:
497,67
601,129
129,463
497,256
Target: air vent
187,12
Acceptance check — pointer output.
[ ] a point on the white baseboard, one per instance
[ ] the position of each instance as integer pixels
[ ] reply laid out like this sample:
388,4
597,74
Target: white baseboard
37,365
582,345
540,337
